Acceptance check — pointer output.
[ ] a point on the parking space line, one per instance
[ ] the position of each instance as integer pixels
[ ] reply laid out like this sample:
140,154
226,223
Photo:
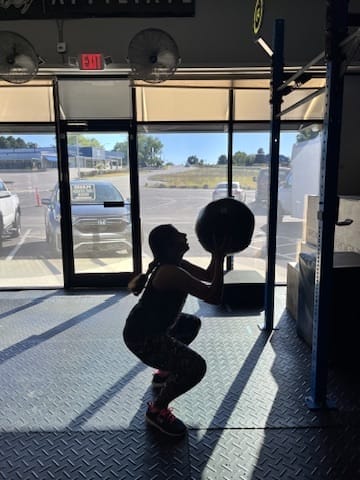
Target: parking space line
21,242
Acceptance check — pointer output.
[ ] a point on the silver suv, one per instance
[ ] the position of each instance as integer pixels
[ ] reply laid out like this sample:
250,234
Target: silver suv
100,217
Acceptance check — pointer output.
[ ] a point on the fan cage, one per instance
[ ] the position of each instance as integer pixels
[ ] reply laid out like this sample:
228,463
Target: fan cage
153,56
19,62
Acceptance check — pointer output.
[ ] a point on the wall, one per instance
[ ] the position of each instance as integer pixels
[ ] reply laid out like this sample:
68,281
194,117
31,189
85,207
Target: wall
220,34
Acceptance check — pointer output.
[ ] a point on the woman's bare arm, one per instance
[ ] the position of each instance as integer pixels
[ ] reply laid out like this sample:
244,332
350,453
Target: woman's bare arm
172,277
207,275
199,272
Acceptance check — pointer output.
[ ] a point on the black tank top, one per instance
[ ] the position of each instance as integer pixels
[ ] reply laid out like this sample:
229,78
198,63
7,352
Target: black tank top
155,312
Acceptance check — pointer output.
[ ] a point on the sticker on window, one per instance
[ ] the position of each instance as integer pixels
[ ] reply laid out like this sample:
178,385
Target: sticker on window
83,192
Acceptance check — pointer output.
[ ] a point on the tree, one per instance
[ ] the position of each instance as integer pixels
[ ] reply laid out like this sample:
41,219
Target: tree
260,156
283,159
124,149
12,142
82,141
149,151
250,159
192,160
222,160
240,158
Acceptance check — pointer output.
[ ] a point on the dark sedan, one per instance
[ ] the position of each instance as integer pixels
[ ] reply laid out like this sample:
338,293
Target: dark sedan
100,217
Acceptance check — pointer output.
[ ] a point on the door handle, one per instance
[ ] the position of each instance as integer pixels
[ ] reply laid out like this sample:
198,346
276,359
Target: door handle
113,204
345,223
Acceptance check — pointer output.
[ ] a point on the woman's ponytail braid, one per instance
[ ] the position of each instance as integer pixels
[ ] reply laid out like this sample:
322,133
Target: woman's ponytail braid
137,284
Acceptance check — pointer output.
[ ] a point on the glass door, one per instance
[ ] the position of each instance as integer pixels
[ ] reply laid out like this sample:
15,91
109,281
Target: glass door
89,212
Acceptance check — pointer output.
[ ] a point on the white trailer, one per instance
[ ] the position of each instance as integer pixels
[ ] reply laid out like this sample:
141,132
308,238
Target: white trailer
304,177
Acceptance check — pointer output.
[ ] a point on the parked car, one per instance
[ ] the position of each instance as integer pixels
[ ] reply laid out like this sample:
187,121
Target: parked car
100,217
262,183
221,191
10,213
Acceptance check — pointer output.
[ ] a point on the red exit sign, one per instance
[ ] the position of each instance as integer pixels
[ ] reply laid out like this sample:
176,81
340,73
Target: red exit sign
91,61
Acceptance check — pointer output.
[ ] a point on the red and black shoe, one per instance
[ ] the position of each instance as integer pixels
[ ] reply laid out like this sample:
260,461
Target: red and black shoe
165,421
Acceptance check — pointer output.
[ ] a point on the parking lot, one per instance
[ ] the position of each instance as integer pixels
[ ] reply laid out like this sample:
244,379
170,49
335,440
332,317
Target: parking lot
31,255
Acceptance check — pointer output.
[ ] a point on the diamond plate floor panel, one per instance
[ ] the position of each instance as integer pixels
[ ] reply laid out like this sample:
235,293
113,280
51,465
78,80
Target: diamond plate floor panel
73,397
121,455
275,454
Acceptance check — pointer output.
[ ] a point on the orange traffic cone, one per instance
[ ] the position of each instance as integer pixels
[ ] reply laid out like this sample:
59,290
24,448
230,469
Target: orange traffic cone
37,198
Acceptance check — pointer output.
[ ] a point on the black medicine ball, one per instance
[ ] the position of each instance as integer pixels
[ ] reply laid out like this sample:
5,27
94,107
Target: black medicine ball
225,217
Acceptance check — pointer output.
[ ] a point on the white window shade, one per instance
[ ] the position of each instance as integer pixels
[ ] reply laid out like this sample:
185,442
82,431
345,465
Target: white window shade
32,102
312,109
252,105
181,104
255,105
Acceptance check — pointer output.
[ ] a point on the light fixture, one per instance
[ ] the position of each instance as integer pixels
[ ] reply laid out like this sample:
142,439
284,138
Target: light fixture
264,46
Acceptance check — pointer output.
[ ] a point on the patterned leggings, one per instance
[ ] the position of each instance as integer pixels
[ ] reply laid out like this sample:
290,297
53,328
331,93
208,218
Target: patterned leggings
170,352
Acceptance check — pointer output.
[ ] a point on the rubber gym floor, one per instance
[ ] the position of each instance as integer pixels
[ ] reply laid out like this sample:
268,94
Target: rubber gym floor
73,398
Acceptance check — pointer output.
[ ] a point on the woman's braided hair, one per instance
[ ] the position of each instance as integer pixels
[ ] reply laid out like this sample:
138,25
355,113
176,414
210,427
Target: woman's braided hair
137,284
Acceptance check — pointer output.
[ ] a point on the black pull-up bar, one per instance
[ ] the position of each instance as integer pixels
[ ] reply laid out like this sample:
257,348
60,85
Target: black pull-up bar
354,36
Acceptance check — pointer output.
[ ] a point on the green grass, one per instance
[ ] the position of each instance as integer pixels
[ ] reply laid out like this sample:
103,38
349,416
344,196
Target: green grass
204,177
193,177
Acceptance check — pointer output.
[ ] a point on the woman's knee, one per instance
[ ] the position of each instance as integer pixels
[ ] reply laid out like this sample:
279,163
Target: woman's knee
196,322
199,367
188,321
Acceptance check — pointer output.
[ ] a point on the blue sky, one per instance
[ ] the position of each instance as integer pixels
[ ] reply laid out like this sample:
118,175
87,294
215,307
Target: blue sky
209,146
177,147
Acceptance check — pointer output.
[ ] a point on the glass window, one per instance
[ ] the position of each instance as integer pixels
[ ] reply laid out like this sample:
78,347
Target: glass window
28,169
178,174
250,162
100,203
92,99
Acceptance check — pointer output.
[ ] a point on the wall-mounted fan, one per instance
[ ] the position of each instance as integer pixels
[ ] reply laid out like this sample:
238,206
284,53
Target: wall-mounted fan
19,62
153,56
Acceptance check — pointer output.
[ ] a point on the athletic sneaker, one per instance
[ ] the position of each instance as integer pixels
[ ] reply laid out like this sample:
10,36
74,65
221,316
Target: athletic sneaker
165,421
159,379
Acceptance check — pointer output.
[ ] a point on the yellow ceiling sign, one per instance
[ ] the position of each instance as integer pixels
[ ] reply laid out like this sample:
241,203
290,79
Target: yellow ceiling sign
258,16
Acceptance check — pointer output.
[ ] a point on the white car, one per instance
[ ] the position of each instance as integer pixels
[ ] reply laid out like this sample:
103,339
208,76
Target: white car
221,191
9,213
